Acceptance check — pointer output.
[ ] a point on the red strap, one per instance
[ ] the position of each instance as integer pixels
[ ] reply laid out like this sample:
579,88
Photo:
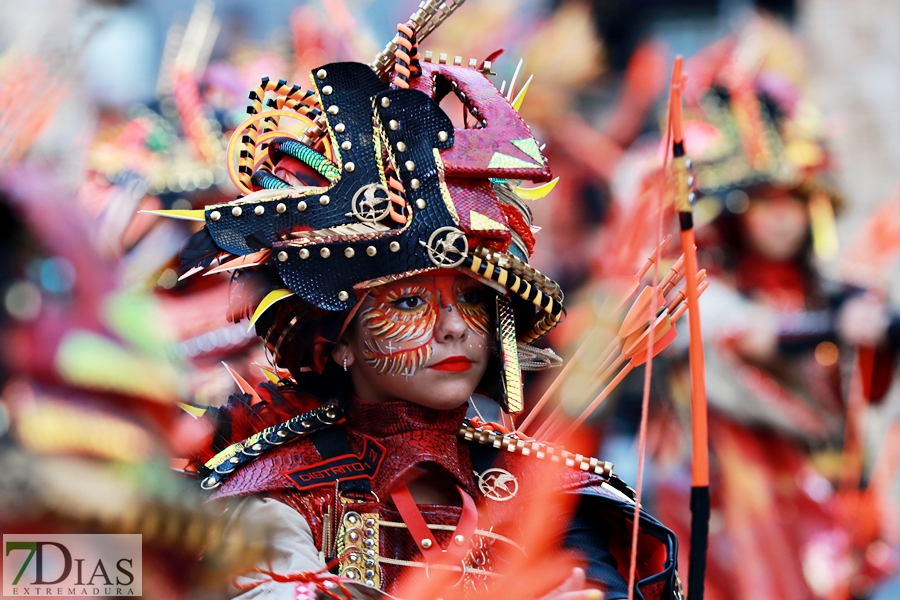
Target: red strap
418,528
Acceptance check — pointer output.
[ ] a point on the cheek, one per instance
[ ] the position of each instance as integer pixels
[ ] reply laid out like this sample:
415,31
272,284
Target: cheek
764,231
394,341
480,345
777,219
388,330
757,224
798,220
476,317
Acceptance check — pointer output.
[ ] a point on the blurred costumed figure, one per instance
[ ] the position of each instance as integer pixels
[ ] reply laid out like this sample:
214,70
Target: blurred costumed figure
97,370
380,250
777,332
169,155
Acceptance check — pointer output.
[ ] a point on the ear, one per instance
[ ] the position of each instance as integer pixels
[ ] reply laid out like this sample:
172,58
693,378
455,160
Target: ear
343,351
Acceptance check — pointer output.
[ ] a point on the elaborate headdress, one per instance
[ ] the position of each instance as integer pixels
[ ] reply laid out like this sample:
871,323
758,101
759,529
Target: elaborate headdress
748,137
382,186
749,125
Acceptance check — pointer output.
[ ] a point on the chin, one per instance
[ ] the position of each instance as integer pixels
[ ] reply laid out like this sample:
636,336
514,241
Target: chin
440,402
446,404
441,390
781,254
442,395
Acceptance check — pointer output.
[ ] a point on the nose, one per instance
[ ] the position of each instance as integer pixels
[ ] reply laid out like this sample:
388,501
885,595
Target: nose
450,325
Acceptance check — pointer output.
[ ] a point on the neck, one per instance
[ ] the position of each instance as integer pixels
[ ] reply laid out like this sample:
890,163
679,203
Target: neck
781,281
392,417
414,437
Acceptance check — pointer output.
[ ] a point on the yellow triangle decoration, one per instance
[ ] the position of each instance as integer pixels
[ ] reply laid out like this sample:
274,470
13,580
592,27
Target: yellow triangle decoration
479,222
529,147
504,161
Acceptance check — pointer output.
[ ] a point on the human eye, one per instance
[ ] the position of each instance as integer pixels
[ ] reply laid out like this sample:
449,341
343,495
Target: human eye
471,297
409,302
409,298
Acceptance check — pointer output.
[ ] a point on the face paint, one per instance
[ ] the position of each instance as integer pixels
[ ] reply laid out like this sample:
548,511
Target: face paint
472,304
402,325
404,315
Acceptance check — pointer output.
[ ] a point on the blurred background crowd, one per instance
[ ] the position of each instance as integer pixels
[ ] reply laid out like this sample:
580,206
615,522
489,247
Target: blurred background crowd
792,120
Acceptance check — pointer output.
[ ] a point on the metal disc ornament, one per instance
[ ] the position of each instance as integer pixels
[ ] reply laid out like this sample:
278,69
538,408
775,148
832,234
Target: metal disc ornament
367,206
447,247
498,484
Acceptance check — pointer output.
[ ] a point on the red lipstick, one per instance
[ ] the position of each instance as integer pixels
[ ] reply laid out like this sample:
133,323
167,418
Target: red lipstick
453,363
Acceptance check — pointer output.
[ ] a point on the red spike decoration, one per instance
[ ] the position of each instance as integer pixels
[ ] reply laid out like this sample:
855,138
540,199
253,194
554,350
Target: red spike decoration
700,441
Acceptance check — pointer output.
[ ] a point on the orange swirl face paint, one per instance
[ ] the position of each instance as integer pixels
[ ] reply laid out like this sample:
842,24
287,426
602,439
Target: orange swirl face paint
402,326
402,320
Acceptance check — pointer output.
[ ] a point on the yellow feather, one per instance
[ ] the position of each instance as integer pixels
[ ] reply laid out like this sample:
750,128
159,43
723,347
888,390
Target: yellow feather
535,193
242,262
270,372
520,97
270,375
270,299
242,383
186,215
194,411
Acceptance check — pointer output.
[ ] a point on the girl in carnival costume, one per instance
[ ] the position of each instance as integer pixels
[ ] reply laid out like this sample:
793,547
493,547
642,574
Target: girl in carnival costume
382,257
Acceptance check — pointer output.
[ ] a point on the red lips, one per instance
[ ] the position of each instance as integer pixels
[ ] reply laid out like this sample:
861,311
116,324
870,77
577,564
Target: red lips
453,363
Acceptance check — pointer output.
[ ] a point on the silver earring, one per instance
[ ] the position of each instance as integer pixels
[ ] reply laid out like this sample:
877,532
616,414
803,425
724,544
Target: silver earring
345,363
